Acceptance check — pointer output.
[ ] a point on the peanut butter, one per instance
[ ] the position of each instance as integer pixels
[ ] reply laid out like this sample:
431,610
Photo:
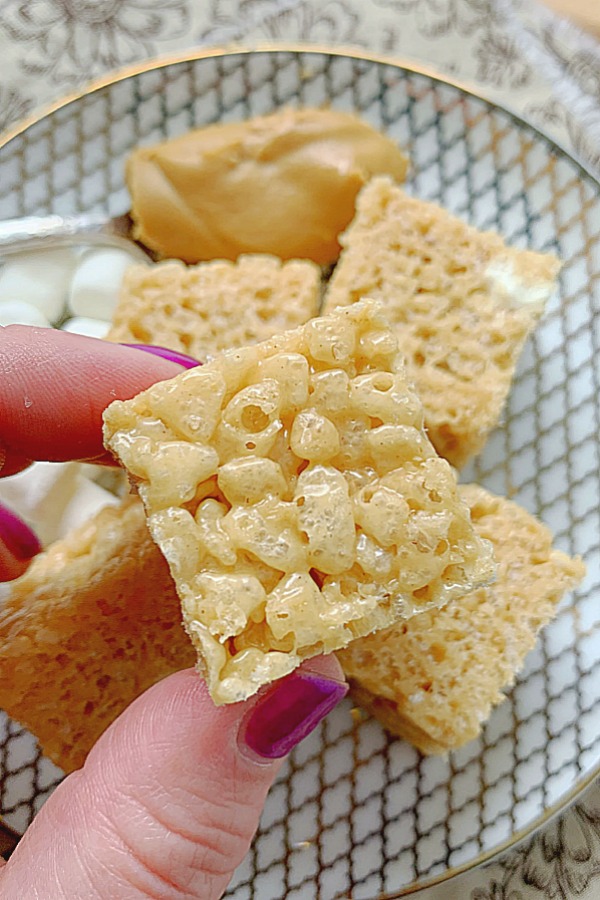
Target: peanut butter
283,184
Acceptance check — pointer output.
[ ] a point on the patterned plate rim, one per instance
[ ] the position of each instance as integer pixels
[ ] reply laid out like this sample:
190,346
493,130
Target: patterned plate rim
415,68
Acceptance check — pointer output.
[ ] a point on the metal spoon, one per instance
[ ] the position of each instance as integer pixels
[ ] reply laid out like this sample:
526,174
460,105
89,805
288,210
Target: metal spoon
49,232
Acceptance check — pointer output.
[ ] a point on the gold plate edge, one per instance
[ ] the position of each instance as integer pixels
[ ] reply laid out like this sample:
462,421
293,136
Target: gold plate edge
341,50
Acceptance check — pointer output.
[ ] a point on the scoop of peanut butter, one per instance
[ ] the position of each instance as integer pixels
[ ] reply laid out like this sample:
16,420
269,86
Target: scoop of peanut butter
283,184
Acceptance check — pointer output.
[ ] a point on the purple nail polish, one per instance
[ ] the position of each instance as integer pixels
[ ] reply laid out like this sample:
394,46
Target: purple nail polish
172,355
18,537
289,712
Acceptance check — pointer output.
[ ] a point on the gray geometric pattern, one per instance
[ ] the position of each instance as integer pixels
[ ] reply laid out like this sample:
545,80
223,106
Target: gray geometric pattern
355,812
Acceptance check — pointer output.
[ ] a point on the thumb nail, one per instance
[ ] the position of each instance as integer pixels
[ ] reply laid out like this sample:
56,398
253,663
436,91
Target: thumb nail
181,359
289,712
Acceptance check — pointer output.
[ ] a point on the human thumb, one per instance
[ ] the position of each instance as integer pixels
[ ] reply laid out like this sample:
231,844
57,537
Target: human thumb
170,797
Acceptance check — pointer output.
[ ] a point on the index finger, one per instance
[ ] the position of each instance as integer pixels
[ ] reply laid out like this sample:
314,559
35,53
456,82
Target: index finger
54,387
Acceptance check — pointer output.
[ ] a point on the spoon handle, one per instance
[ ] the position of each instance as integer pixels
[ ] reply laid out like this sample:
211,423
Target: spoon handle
49,232
15,230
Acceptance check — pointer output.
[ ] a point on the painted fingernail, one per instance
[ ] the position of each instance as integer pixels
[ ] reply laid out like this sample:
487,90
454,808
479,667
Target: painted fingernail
289,712
17,536
172,355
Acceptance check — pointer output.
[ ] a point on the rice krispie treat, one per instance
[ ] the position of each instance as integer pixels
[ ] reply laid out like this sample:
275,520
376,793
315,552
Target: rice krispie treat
296,497
204,309
461,302
435,678
94,621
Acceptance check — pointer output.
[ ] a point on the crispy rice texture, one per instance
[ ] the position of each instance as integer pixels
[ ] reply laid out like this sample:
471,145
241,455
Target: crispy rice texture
296,497
461,302
94,621
213,306
435,678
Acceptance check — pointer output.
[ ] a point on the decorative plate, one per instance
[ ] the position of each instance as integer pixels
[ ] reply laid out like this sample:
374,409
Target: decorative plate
355,812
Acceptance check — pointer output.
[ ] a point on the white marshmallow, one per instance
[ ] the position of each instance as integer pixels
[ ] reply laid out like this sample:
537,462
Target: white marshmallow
89,327
17,312
41,279
97,282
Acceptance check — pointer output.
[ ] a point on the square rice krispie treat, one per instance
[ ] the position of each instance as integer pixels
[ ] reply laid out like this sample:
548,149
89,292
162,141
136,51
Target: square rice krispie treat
204,309
461,302
435,678
92,624
296,497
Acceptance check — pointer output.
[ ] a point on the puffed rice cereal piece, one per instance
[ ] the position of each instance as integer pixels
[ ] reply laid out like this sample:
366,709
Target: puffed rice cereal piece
296,497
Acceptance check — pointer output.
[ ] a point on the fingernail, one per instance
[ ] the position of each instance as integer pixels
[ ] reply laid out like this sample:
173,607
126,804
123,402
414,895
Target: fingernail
289,712
18,537
172,355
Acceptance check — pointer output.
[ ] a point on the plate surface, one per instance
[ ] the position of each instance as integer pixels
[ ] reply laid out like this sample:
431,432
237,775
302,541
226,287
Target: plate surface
354,812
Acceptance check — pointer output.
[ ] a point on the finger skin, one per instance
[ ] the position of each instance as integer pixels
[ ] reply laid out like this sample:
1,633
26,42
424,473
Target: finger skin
11,463
165,807
54,387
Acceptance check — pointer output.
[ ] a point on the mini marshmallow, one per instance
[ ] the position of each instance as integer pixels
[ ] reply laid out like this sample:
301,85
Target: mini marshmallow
97,282
89,327
16,312
40,279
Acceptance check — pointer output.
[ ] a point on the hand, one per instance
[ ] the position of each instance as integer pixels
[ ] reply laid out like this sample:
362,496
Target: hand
54,388
169,798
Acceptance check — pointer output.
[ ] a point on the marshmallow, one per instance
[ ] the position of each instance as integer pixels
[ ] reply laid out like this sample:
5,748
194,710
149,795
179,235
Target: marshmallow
16,312
89,327
97,282
41,279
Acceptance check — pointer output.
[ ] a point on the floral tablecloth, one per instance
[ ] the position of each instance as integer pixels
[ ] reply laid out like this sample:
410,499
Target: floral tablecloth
515,51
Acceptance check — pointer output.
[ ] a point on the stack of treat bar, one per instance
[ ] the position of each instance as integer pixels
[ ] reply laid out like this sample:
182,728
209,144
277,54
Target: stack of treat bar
297,494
